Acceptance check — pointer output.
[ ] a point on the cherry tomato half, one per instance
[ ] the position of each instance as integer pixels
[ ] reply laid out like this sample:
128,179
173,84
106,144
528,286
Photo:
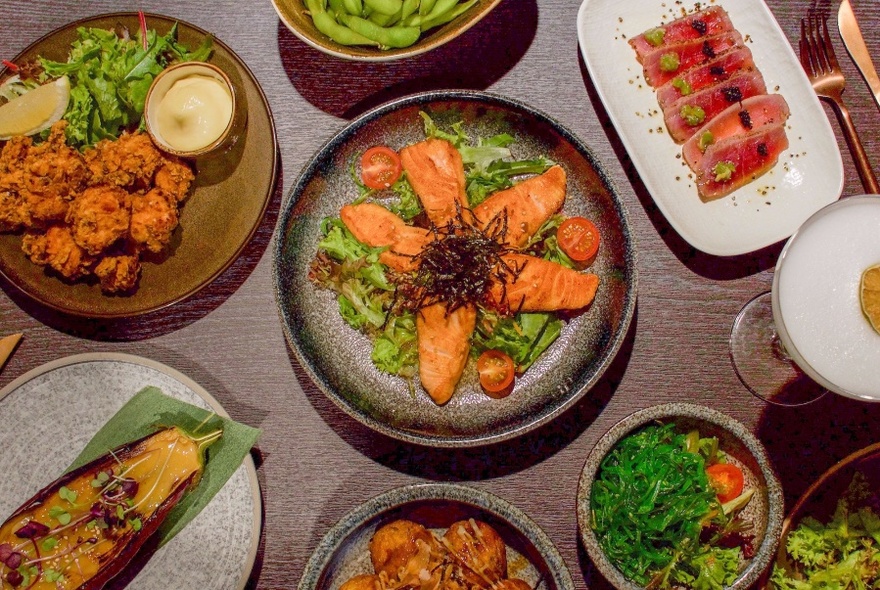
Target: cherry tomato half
496,373
726,480
380,167
579,238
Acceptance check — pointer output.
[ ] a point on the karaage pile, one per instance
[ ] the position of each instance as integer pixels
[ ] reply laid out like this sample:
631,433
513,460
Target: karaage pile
92,213
407,556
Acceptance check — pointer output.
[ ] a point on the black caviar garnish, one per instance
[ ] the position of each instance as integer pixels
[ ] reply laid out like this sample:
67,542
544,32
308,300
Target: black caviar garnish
745,118
732,94
716,71
699,26
762,150
707,50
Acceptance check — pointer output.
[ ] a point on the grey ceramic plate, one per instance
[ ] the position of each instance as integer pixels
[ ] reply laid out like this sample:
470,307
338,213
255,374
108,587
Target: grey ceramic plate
344,551
764,512
338,358
232,193
58,407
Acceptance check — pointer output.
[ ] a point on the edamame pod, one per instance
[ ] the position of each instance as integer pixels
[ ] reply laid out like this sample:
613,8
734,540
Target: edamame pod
384,20
326,24
337,6
425,6
397,36
440,9
409,7
387,7
443,19
354,7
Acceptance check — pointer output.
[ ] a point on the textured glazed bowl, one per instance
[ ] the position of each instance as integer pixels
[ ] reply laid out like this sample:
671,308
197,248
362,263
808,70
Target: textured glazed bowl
293,14
765,511
337,357
820,499
344,551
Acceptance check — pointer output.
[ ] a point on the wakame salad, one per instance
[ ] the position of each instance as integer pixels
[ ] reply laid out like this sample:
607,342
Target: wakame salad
366,292
666,510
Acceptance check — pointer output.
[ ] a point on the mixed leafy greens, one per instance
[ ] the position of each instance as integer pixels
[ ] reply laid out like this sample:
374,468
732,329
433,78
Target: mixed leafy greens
366,296
110,76
658,519
842,554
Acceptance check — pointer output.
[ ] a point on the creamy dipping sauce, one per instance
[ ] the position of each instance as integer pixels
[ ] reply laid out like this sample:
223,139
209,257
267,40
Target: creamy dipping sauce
194,112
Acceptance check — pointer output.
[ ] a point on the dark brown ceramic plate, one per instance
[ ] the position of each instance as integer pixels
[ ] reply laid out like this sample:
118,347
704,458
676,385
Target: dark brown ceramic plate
338,358
293,14
232,192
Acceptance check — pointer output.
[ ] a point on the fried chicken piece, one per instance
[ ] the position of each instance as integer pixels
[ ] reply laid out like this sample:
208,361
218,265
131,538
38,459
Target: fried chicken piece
130,161
153,219
14,153
54,169
13,211
57,249
175,178
118,273
99,217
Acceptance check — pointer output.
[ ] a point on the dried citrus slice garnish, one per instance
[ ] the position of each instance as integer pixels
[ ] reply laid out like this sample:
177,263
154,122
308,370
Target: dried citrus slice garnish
869,295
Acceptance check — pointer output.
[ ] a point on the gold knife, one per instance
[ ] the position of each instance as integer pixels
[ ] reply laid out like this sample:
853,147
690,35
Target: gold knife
855,44
7,345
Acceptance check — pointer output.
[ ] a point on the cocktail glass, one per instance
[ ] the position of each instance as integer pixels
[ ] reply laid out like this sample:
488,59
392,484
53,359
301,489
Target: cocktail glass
808,335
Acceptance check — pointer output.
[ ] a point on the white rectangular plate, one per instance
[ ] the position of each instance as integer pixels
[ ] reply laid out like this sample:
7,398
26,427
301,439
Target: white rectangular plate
808,175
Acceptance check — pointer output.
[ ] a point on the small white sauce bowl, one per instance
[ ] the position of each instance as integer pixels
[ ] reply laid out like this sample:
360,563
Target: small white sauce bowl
160,87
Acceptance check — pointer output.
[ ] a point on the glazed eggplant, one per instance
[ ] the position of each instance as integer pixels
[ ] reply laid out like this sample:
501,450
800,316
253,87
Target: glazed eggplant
86,526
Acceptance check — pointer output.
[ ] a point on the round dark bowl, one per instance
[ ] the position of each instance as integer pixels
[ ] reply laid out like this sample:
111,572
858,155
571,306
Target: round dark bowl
337,357
764,511
344,551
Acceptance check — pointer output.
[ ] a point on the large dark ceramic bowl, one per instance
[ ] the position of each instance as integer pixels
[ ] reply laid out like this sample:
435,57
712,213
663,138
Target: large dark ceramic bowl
231,194
820,500
764,512
338,358
344,551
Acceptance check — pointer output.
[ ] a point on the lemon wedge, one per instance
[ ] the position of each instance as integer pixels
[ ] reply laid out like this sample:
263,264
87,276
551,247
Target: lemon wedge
869,295
36,110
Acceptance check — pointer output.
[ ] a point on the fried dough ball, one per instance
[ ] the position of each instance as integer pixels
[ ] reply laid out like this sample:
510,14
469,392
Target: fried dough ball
130,161
175,178
398,542
153,219
118,273
363,582
481,551
511,584
57,249
99,216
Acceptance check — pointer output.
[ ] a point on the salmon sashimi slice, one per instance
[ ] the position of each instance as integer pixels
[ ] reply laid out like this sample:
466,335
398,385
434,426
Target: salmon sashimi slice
710,102
376,226
522,209
662,66
435,171
735,161
708,22
542,285
737,119
444,344
713,72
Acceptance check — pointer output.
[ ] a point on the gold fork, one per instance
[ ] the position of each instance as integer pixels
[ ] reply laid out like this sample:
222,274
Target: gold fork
820,63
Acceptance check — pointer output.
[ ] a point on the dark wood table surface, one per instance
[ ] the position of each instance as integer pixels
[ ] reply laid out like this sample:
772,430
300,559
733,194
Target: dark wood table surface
316,462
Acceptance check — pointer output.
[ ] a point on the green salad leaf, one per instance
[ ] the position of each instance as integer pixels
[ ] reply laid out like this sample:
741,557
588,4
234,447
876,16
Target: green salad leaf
110,76
523,337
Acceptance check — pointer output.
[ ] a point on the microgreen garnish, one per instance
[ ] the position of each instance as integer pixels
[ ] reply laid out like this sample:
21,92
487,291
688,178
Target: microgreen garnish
60,514
136,524
49,543
66,493
100,479
52,575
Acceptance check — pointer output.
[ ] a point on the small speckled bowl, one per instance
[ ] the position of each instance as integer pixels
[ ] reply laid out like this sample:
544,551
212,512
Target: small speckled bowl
344,551
294,15
160,87
765,511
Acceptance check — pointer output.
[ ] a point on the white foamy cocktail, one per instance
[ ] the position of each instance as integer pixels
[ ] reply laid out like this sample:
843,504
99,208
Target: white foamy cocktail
816,304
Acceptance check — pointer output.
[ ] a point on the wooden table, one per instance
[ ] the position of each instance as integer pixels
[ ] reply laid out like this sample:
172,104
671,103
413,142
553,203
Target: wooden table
317,463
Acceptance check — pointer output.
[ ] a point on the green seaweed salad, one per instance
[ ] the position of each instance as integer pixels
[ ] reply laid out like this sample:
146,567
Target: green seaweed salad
657,515
366,292
842,554
110,75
